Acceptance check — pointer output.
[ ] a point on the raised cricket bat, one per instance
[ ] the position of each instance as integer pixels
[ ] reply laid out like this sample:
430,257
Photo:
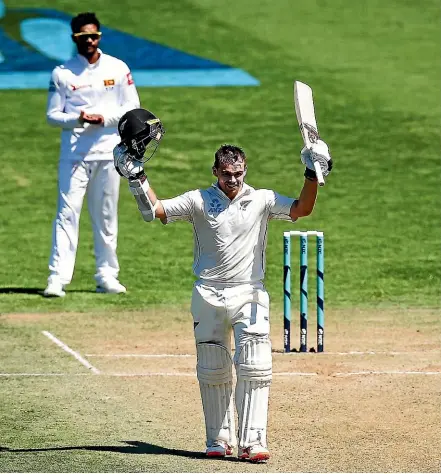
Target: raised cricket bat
304,105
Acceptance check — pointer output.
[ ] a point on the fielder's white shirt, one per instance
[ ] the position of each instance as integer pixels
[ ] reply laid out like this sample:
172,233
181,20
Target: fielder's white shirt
106,88
229,236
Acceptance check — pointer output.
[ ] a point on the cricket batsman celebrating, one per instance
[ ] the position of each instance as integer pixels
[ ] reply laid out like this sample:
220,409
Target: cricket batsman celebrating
230,220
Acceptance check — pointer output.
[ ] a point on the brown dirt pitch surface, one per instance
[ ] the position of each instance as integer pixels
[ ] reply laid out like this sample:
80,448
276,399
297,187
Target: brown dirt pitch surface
370,403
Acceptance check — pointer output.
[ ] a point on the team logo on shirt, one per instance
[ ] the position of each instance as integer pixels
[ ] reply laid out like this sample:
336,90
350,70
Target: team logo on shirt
130,80
215,207
81,86
109,84
243,205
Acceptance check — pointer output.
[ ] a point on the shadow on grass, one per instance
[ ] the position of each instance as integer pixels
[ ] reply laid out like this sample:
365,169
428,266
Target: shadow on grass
133,447
25,291
35,291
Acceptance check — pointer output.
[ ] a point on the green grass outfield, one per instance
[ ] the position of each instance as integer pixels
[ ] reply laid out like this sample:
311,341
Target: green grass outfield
374,68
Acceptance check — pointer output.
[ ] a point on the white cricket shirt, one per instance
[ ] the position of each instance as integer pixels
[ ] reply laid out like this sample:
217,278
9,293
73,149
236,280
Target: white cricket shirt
106,88
229,236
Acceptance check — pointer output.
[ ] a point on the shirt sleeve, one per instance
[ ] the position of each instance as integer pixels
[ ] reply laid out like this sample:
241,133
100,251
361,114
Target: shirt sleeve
179,208
279,206
55,114
129,98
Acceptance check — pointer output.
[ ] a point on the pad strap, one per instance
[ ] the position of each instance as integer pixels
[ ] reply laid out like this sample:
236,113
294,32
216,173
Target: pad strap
139,188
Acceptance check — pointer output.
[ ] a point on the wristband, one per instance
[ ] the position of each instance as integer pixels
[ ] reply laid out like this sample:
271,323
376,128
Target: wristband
310,175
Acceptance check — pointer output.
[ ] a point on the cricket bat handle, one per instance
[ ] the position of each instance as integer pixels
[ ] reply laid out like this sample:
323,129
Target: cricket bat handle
318,172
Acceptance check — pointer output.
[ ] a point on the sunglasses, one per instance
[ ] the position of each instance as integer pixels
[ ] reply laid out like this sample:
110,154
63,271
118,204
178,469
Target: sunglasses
86,35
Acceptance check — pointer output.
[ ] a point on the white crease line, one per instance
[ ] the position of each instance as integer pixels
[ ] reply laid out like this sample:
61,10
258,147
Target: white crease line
152,356
295,374
382,352
143,374
153,374
183,374
71,352
141,355
37,375
384,372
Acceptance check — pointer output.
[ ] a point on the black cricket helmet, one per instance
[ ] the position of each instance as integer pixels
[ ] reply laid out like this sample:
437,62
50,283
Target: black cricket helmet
141,132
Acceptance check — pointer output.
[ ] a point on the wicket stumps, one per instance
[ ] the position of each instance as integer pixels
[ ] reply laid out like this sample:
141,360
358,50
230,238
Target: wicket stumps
303,263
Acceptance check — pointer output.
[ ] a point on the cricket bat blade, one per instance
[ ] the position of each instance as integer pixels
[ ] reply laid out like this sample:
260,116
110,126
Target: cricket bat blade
304,107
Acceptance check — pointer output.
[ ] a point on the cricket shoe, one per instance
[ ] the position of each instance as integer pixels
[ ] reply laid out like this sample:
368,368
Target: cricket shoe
110,285
219,449
255,453
54,289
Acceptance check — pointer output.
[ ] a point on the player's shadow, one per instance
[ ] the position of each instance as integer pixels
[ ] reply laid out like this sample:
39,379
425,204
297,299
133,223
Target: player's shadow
132,447
21,290
34,291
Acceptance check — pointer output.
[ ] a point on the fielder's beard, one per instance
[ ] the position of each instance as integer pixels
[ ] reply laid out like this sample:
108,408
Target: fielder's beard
87,51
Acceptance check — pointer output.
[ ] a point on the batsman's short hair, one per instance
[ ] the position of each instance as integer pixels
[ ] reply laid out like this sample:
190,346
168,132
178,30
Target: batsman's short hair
229,154
86,18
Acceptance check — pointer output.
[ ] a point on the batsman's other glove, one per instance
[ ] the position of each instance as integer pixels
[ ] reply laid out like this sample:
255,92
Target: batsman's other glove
318,152
126,164
132,169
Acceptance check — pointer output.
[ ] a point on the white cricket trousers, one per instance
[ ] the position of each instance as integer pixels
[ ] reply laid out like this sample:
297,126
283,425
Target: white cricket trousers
101,181
219,309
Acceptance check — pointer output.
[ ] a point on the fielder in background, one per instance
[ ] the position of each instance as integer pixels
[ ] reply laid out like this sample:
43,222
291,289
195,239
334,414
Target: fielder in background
230,220
87,96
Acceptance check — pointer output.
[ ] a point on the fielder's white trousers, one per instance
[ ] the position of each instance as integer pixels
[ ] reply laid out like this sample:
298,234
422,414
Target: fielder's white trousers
218,310
101,181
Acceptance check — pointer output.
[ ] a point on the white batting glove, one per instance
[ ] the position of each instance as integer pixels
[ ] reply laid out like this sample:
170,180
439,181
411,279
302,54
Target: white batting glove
125,164
318,152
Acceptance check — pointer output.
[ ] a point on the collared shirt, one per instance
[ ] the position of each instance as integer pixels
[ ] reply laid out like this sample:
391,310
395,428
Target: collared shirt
106,88
229,236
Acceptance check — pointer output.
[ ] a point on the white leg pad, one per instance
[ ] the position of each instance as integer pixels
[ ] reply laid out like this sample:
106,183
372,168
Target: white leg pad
215,375
254,374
